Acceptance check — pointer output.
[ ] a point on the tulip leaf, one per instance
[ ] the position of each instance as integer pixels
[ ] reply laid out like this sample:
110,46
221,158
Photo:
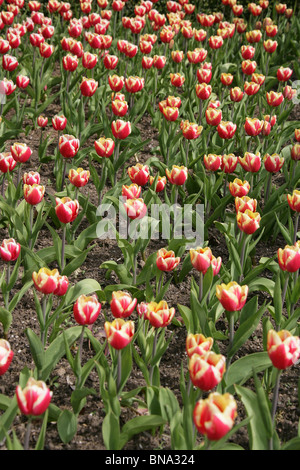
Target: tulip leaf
138,425
67,426
5,319
242,369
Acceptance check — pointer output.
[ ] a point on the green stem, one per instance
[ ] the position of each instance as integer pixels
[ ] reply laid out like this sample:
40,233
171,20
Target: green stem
274,404
119,369
153,354
44,308
200,287
27,434
296,227
63,243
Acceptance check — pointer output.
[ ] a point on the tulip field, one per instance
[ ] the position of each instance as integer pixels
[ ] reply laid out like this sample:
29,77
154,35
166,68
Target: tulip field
149,222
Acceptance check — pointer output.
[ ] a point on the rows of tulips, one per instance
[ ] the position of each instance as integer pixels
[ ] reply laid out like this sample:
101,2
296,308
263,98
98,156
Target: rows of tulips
217,89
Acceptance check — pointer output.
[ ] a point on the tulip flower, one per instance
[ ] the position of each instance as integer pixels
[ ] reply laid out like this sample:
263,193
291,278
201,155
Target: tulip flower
62,286
236,94
295,152
104,147
283,348
119,333
284,74
68,145
177,79
251,88
135,208
86,309
66,209
245,203
6,356
139,174
166,260
247,52
120,129
177,56
79,177
133,191
198,344
294,200
122,304
253,126
201,258
45,280
214,417
34,399
7,162
42,121
213,116
204,75
229,163
274,99
119,107
239,188
161,183
177,175
159,314
173,101
10,250
70,62
212,162
249,67
203,91
248,221
9,63
171,114
33,194
232,296
270,46
59,122
273,163
250,162
20,152
289,258
89,60
116,83
226,129
216,265
206,371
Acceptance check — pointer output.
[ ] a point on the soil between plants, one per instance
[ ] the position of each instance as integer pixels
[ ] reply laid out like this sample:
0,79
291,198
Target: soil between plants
89,435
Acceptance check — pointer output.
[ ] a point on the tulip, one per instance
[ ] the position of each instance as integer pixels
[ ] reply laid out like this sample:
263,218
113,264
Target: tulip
173,101
86,309
289,258
104,147
33,194
295,152
229,163
294,200
177,56
59,122
212,162
284,74
201,258
9,63
70,62
147,62
270,46
122,305
119,333
258,78
89,60
250,162
216,265
283,348
45,280
177,175
253,126
198,344
62,286
66,209
88,86
166,260
35,398
116,83
10,250
215,42
177,79
159,314
135,208
274,99
6,356
46,50
120,129
214,417
119,107
226,79
273,163
206,371
139,174
251,88
247,52
249,67
171,114
20,152
226,129
7,162
236,94
191,130
134,84
42,121
161,183
79,177
203,91
248,221
133,191
68,145
232,296
245,203
22,81
213,116
239,188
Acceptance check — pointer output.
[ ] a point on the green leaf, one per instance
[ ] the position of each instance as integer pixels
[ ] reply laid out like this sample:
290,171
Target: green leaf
242,369
138,425
67,426
111,432
6,319
37,348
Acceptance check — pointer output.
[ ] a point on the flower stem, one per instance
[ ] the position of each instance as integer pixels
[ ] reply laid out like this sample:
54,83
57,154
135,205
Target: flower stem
200,287
63,243
44,308
275,403
296,227
119,369
153,354
27,434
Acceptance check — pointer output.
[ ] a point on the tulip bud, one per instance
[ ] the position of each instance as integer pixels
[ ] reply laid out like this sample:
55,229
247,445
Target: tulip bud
248,221
232,296
68,145
66,209
139,174
177,175
190,130
166,260
283,348
206,371
59,122
33,194
10,250
104,147
86,309
294,200
6,356
161,183
198,344
159,314
119,333
20,152
122,305
45,281
201,258
34,399
239,188
42,121
214,417
289,258
79,177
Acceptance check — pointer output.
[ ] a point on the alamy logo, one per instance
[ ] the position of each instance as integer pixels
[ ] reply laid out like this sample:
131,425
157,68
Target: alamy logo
161,222
296,86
